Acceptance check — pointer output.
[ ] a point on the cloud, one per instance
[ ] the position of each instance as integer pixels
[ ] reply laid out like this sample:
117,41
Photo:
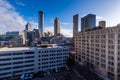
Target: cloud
34,24
10,19
65,23
98,17
65,32
20,3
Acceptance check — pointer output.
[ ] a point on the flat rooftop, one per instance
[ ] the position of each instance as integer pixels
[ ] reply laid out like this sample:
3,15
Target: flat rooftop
16,48
26,48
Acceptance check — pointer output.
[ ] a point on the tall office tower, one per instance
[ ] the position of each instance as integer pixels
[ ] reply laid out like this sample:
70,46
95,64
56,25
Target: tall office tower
88,22
56,26
75,24
100,49
102,24
41,23
28,27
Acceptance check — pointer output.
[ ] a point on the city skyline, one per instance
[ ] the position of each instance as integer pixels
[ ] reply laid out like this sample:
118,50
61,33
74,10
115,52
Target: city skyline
16,13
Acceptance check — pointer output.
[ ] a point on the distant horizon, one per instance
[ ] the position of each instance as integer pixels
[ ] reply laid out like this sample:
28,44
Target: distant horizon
15,14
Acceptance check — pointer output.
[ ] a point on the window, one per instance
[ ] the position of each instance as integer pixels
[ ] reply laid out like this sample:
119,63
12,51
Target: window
17,58
17,53
29,52
5,54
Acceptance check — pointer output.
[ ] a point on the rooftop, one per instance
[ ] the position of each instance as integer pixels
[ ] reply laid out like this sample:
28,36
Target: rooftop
16,48
26,48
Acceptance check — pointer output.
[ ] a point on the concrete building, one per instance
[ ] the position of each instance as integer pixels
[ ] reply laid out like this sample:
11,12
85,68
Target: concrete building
16,42
41,23
12,34
102,24
56,26
88,22
36,34
29,37
22,36
2,43
75,24
28,27
48,34
100,50
15,38
19,60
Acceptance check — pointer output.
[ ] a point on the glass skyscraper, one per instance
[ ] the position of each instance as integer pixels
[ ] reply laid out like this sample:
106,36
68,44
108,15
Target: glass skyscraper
40,23
75,24
88,22
56,26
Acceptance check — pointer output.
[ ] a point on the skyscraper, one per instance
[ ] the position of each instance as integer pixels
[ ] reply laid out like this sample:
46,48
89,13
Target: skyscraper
88,22
41,23
56,26
75,24
28,27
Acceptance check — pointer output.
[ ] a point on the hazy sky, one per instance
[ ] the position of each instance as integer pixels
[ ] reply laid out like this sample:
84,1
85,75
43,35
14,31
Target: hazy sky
15,13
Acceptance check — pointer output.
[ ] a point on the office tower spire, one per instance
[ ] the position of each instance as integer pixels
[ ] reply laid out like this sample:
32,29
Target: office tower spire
41,23
56,26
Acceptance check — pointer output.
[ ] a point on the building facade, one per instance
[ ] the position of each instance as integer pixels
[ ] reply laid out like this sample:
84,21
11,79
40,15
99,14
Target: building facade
16,61
88,22
75,24
102,24
41,23
100,49
12,34
56,26
28,27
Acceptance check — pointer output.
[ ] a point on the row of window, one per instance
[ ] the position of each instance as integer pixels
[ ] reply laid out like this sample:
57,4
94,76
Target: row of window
18,53
53,51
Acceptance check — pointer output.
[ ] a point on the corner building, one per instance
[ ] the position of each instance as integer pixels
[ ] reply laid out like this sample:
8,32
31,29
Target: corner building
16,61
100,50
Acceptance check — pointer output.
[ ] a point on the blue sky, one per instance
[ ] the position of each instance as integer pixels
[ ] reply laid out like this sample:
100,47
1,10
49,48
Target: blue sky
15,13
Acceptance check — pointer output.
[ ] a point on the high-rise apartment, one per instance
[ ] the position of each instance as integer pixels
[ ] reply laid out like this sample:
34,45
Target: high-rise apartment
56,26
88,22
100,49
75,24
41,23
102,24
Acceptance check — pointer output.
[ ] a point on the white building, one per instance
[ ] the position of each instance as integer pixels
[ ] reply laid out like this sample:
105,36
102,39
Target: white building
16,61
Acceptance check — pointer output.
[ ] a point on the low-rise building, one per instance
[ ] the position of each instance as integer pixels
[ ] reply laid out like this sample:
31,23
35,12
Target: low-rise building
19,60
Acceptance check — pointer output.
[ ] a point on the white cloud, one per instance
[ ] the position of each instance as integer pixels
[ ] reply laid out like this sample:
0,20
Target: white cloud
49,28
34,24
65,23
67,32
98,18
20,3
10,19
